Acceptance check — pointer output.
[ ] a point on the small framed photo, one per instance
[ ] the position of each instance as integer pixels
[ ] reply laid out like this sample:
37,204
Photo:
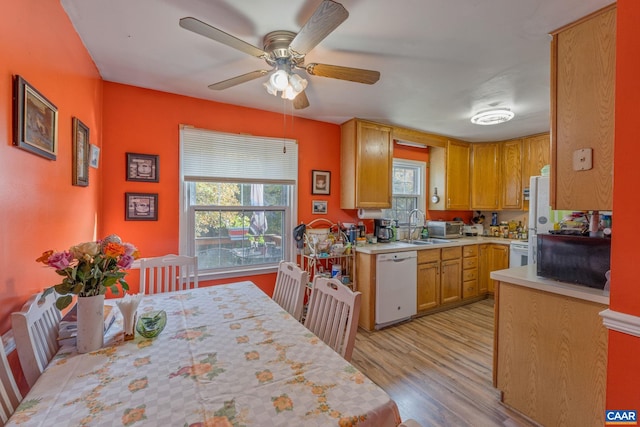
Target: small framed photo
141,206
319,207
142,167
94,156
320,182
35,120
80,172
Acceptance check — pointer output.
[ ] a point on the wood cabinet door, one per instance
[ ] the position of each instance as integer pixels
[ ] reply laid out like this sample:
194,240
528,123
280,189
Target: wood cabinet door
451,281
584,56
458,175
498,260
428,285
511,162
374,163
485,176
483,269
537,154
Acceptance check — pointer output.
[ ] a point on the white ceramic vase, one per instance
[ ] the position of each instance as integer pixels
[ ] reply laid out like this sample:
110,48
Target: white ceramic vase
90,323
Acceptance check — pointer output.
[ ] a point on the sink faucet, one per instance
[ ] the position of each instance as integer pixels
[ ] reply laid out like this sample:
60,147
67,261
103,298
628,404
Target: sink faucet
415,211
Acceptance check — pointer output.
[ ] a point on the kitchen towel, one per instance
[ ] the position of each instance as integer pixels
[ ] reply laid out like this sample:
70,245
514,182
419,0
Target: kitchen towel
370,214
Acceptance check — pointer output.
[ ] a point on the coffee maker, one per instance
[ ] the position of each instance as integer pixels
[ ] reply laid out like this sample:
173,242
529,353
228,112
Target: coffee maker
383,230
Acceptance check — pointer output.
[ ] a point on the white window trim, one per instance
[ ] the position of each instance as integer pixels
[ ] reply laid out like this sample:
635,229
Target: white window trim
422,198
185,223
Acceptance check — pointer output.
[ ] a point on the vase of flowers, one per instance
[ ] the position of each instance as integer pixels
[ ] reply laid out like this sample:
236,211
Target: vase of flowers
88,270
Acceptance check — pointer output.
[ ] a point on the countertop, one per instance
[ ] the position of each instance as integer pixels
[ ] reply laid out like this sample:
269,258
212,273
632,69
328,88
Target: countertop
526,276
381,248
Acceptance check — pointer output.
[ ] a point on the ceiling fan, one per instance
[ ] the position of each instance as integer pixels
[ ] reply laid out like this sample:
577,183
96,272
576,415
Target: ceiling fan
285,52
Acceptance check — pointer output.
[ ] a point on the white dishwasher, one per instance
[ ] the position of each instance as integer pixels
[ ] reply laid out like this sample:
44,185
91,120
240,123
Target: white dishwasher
396,283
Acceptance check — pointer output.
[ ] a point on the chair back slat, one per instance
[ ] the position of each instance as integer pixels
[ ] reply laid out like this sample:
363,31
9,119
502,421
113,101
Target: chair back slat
291,282
10,396
35,328
168,273
333,314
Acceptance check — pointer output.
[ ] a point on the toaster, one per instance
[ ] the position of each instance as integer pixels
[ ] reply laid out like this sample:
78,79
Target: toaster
473,230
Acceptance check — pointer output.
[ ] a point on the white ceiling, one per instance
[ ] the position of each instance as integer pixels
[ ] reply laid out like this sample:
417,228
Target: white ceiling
440,61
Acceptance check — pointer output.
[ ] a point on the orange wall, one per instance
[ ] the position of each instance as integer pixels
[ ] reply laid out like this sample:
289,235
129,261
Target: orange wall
145,121
623,373
39,208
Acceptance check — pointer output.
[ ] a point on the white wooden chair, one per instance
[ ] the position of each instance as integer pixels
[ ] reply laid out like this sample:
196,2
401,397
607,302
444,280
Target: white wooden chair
333,314
291,283
35,328
168,273
10,396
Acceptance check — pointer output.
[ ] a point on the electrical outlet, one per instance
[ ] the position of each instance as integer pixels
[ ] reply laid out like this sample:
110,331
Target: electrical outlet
583,159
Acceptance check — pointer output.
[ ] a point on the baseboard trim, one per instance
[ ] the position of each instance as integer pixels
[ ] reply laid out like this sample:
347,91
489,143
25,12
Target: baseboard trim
621,322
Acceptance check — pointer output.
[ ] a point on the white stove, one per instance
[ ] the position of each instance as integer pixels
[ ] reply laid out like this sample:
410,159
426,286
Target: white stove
518,253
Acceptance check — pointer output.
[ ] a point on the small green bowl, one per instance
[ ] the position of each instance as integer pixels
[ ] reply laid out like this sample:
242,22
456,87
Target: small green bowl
152,323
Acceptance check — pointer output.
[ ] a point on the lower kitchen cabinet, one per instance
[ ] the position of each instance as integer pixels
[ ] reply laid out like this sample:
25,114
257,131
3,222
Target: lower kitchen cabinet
491,257
429,283
439,277
469,271
451,276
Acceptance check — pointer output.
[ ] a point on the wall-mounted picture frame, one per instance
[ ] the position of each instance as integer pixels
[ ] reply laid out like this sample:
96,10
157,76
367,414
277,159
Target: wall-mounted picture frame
319,207
94,156
143,167
141,206
320,182
35,120
80,164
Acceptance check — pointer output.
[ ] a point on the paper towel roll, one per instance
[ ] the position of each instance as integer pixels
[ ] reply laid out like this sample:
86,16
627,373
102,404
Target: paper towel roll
370,213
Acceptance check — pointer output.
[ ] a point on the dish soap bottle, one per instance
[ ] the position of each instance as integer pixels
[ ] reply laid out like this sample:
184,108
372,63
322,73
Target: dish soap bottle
424,234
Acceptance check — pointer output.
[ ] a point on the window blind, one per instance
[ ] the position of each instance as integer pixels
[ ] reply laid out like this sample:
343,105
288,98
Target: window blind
207,154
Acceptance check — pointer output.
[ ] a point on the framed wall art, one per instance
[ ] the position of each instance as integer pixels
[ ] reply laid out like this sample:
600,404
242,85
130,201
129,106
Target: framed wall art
35,120
142,167
320,182
80,165
319,207
94,156
141,206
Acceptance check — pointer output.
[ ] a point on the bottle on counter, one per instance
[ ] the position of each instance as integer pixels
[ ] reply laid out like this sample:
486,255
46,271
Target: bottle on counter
424,234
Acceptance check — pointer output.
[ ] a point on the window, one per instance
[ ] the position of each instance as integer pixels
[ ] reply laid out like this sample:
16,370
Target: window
408,189
238,199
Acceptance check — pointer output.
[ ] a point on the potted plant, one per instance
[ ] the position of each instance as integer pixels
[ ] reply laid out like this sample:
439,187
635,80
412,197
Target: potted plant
88,270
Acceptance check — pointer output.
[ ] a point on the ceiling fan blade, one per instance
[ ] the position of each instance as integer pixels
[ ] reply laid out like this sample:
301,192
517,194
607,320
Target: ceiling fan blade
357,75
225,84
206,30
301,101
326,18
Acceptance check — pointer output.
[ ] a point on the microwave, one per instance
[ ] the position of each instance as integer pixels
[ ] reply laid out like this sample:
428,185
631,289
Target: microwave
579,260
445,229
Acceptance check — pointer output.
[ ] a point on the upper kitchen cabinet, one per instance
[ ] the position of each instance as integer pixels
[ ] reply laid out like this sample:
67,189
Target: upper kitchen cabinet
449,176
366,162
537,154
511,184
582,112
485,176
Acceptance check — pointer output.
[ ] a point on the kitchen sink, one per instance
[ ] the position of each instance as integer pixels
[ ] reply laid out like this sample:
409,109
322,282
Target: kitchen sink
430,241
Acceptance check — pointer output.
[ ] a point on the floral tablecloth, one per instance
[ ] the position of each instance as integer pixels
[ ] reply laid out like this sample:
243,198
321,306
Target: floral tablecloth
229,356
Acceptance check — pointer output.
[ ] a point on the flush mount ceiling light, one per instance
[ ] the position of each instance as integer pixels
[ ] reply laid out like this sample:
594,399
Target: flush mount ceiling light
492,117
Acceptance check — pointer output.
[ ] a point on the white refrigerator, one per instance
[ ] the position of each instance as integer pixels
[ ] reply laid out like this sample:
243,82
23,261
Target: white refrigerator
539,213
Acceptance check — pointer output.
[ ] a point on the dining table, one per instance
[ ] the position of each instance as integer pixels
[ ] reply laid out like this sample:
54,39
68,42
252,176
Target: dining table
228,356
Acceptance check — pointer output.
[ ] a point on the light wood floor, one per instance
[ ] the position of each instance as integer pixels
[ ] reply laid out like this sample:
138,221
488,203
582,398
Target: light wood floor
438,368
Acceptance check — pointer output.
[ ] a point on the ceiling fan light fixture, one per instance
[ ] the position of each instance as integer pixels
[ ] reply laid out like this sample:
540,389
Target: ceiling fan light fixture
279,80
270,88
492,117
297,83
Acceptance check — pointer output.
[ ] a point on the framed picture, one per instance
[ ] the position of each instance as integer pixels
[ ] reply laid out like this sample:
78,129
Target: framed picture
141,206
142,167
94,156
320,182
80,165
35,120
319,207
